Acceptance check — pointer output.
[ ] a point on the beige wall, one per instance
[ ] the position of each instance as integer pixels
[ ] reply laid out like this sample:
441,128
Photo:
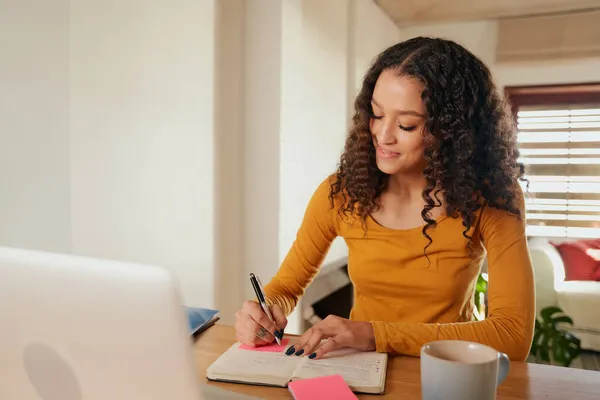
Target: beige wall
481,38
141,133
106,120
313,107
193,141
230,283
371,32
262,127
327,48
34,124
547,73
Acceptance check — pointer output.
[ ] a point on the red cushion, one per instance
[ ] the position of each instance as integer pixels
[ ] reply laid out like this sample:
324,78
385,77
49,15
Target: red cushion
596,256
579,266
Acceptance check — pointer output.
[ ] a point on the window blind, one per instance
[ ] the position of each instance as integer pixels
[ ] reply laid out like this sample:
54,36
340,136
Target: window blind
560,147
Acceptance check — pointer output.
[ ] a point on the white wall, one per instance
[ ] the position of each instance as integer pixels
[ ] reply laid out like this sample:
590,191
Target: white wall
142,147
34,124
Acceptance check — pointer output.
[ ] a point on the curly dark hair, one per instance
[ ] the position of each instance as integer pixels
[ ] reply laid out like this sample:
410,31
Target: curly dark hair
471,152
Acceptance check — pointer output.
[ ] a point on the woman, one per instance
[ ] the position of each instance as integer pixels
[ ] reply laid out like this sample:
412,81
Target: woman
427,185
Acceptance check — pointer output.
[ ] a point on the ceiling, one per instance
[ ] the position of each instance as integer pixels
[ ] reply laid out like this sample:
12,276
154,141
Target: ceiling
411,12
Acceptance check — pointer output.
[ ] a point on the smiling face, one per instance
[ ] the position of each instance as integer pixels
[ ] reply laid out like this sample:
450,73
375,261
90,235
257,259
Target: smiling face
397,124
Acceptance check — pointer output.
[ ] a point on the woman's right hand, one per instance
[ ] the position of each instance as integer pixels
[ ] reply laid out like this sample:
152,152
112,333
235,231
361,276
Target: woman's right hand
253,327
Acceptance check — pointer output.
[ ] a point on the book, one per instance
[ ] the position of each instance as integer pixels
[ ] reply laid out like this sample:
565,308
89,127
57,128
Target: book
363,372
201,319
322,388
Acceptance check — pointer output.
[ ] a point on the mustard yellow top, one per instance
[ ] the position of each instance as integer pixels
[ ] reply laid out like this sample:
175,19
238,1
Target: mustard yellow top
409,300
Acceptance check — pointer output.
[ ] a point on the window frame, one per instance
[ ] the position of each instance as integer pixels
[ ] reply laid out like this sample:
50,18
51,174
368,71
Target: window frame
551,95
544,95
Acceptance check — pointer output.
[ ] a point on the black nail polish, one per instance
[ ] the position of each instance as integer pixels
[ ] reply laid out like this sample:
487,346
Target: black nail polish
278,334
313,355
300,352
290,351
281,330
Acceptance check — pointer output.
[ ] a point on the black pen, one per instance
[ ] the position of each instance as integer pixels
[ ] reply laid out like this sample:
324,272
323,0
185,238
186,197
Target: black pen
262,299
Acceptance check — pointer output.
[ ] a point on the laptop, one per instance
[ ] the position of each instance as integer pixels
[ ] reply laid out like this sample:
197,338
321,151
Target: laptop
75,328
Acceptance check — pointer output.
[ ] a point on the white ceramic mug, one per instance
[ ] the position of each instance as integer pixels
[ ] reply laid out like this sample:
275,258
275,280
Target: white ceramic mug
460,370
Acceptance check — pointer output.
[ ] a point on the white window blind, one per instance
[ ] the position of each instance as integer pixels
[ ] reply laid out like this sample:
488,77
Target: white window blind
560,147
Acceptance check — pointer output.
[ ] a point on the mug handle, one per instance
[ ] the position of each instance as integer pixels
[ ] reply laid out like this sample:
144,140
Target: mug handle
503,367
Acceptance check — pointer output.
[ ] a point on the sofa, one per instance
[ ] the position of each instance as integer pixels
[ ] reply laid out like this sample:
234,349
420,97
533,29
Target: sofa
578,299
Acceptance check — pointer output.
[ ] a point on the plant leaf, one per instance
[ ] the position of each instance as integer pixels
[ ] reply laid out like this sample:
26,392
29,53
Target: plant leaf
566,347
548,312
552,344
481,285
558,353
574,345
544,349
563,319
536,337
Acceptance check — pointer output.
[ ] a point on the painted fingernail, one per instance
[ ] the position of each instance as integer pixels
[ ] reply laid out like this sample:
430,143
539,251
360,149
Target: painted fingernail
290,351
313,355
278,334
300,352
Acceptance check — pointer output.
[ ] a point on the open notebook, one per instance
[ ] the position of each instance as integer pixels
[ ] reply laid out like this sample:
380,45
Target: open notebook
364,372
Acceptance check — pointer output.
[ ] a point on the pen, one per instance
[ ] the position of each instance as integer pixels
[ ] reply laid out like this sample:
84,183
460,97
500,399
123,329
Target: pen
262,299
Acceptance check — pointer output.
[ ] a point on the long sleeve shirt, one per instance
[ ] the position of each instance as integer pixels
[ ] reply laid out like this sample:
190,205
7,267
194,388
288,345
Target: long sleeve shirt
412,299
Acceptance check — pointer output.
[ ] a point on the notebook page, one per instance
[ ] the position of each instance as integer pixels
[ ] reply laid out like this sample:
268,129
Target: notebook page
237,362
357,369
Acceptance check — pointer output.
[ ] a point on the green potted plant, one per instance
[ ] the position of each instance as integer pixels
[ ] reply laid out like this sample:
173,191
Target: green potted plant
480,291
552,344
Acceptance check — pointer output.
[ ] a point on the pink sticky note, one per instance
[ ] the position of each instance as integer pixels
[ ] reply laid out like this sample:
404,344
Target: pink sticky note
273,347
321,388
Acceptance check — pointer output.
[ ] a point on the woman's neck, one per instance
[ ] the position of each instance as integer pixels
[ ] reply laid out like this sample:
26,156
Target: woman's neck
407,186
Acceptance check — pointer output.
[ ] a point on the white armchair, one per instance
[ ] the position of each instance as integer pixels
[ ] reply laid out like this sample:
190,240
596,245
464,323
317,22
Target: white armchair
578,299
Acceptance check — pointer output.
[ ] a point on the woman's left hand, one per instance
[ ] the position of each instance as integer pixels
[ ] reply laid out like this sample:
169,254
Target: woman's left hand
339,332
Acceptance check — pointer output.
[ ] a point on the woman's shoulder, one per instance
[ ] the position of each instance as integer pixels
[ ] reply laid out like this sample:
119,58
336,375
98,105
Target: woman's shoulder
502,212
324,205
511,201
329,190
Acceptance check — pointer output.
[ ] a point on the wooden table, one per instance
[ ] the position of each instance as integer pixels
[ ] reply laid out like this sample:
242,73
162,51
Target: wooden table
524,381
